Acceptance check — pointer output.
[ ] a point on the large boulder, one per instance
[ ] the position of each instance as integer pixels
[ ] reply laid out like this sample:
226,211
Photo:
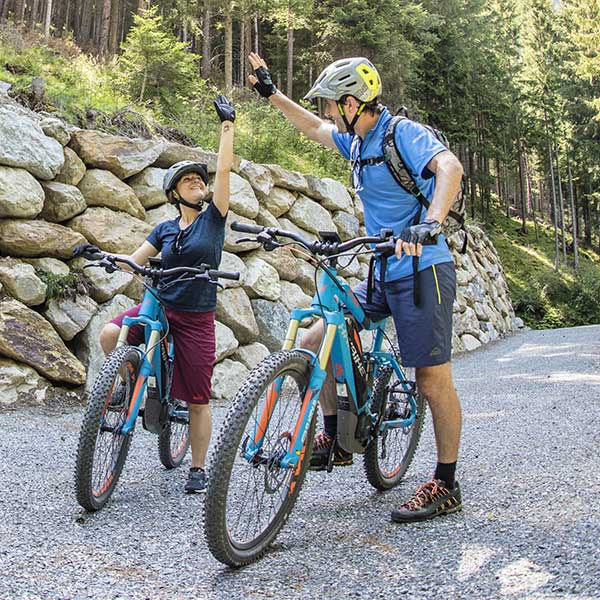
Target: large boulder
87,344
37,238
49,265
70,315
273,320
227,378
306,277
102,188
172,153
27,337
288,225
226,342
121,155
166,212
21,282
73,169
147,186
278,201
258,175
232,236
235,311
262,280
251,354
232,263
25,145
284,262
57,129
288,179
347,225
110,230
242,199
332,194
21,196
310,215
63,202
266,218
20,383
292,296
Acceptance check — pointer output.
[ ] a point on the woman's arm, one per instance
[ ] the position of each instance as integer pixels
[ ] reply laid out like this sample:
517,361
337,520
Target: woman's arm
140,256
226,113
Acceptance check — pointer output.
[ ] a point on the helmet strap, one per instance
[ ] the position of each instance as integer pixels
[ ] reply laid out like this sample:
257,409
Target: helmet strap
350,126
180,200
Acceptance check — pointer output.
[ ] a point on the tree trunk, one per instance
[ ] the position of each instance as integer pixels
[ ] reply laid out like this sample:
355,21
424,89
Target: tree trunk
47,20
141,6
104,27
473,191
290,51
113,37
19,11
33,14
247,48
206,44
228,66
242,57
256,33
562,208
573,217
554,216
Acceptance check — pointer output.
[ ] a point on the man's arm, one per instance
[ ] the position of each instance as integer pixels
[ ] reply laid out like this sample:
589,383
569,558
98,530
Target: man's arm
448,173
309,124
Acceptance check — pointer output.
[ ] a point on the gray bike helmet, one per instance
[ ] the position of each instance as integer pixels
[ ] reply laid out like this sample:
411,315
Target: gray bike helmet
349,76
179,169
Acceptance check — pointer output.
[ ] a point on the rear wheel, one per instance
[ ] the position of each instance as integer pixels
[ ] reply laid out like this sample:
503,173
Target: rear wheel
174,439
390,453
249,500
102,448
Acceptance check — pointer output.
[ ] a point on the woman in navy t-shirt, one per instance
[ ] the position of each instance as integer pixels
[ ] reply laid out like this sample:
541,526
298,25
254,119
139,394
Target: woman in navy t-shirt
196,236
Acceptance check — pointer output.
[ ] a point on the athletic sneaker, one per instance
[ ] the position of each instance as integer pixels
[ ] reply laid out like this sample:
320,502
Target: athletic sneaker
430,500
323,446
196,482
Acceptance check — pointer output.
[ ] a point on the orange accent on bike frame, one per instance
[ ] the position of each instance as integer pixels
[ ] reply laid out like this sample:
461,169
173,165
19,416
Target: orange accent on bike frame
305,404
357,340
339,370
136,391
267,411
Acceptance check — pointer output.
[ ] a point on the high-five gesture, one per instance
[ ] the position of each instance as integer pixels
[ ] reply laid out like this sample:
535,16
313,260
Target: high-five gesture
261,80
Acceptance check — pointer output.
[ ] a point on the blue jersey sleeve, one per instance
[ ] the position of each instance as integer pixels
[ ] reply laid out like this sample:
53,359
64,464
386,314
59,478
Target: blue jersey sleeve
212,212
343,141
156,235
417,146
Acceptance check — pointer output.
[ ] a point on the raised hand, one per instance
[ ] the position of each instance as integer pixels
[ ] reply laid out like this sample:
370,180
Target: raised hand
261,80
225,109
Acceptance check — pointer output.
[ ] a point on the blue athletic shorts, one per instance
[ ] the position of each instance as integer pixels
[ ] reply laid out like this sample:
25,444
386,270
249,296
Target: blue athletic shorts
425,331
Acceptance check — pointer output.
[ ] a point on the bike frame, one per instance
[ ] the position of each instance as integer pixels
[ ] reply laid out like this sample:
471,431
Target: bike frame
153,317
328,302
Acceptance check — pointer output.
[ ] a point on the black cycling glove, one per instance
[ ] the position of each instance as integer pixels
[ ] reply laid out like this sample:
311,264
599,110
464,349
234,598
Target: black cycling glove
264,86
224,108
88,251
423,233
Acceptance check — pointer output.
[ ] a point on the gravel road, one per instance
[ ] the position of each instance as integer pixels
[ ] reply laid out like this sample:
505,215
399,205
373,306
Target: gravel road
529,529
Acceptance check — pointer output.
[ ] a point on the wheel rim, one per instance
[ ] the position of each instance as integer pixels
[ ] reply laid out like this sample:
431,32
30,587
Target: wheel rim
393,445
109,439
257,492
179,438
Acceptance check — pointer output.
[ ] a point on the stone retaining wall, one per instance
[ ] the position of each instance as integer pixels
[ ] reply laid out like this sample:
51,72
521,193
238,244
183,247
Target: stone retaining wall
60,186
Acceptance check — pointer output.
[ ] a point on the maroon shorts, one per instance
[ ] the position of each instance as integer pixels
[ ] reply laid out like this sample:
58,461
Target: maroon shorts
194,338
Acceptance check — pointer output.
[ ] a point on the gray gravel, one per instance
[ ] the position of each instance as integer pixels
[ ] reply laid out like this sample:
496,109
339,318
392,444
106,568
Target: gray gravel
530,528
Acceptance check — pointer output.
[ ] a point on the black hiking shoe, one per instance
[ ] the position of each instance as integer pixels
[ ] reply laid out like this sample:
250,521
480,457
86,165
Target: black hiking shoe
326,452
196,483
430,500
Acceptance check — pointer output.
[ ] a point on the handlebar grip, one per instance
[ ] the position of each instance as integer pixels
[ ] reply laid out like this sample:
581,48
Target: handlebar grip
244,228
213,274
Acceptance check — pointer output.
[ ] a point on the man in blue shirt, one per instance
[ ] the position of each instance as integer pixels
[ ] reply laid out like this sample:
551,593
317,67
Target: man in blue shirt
352,120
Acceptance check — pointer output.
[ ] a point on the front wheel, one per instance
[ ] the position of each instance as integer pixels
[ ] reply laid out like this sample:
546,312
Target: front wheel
390,452
103,448
248,500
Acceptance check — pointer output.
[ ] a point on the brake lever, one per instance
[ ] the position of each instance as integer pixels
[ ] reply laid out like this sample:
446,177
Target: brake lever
105,263
242,240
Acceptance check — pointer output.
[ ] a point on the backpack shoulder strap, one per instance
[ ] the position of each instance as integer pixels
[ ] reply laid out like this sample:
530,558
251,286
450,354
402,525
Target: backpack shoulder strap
396,164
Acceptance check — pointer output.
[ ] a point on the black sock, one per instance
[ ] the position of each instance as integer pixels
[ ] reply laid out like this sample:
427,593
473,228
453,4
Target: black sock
196,469
445,472
330,425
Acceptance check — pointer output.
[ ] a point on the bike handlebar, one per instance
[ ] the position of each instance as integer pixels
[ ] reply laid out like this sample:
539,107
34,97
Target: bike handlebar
108,261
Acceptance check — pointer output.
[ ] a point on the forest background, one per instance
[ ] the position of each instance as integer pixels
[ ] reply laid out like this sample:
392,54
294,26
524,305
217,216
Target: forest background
515,85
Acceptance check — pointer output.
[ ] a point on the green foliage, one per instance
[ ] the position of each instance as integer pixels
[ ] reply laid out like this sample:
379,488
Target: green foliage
541,296
62,286
155,65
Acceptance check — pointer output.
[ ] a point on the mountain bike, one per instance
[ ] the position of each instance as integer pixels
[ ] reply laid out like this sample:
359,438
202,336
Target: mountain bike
263,449
130,377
